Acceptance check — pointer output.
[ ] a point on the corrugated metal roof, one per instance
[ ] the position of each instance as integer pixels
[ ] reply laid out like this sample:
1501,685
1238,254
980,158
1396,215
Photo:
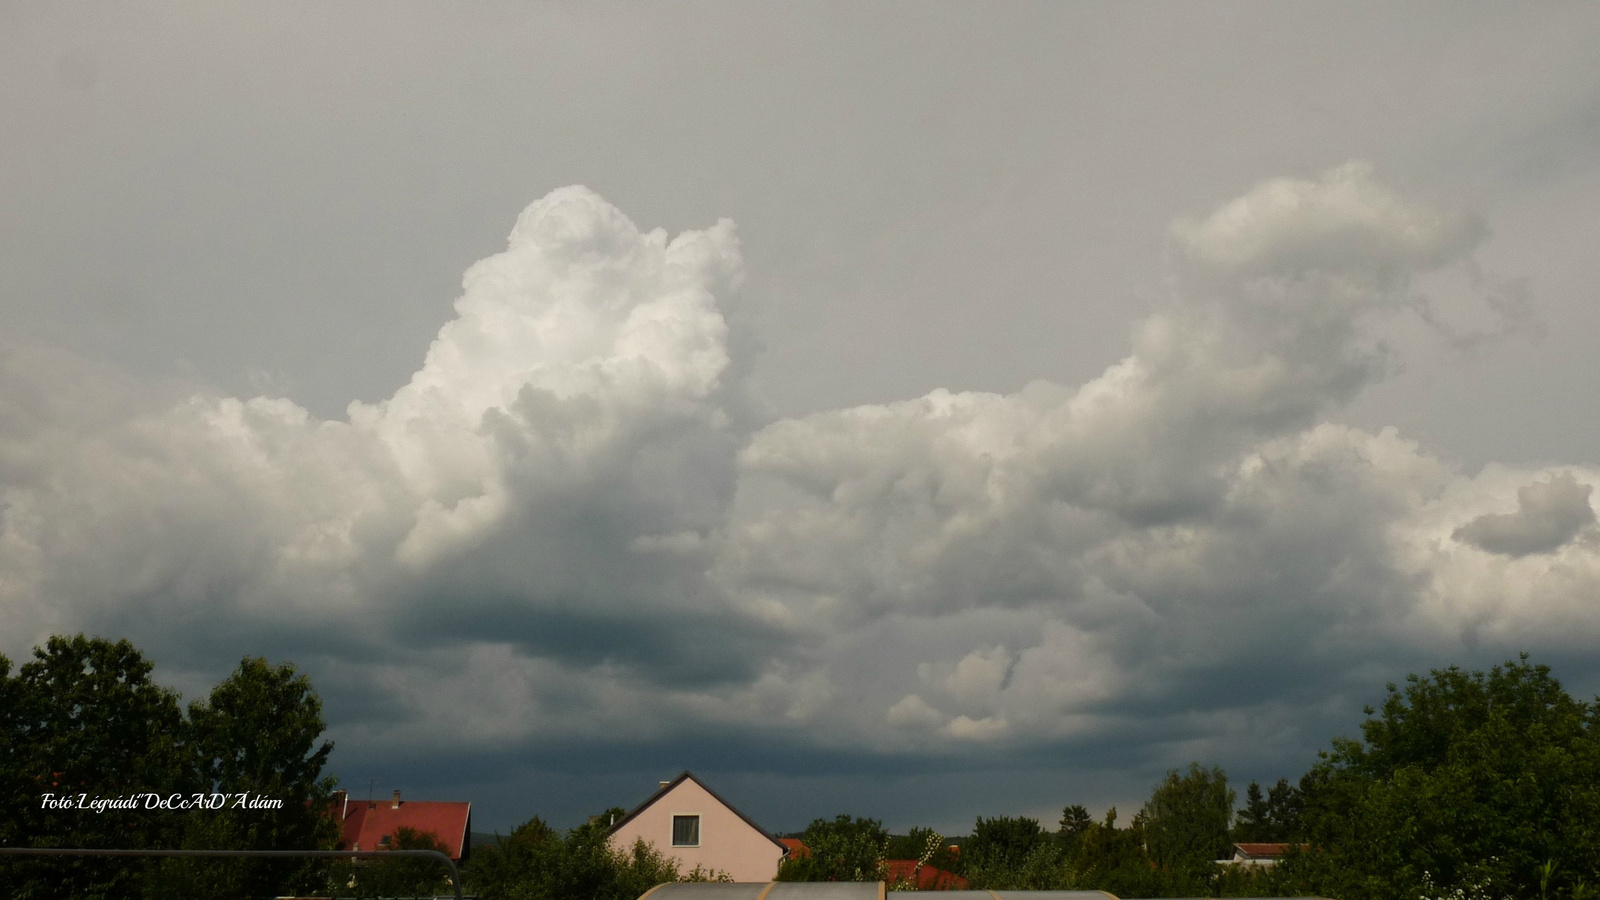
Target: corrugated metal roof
771,890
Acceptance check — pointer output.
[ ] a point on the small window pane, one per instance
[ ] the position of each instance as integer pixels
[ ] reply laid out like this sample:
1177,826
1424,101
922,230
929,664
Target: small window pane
685,831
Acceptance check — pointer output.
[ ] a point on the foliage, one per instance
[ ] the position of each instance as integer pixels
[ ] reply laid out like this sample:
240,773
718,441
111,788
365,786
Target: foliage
256,735
922,844
403,877
1114,860
537,863
845,849
1472,783
1271,818
1186,821
1014,853
84,718
927,847
1075,820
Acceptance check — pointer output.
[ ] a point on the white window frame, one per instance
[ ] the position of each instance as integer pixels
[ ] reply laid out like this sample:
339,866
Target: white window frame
698,821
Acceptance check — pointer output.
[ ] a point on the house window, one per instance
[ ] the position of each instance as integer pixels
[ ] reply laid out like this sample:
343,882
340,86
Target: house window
383,841
685,831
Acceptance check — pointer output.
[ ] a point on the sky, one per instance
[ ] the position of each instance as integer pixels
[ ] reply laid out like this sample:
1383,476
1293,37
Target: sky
916,411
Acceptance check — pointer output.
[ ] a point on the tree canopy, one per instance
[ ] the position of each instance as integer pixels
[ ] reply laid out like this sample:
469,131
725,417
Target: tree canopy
1484,782
83,720
535,862
844,849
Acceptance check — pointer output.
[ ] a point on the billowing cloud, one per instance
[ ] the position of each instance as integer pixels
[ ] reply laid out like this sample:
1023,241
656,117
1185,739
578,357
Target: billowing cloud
568,527
1549,514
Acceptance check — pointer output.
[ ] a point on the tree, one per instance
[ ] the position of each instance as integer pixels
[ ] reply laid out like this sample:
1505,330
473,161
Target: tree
405,877
1254,821
1283,812
845,849
256,736
84,720
1114,859
1001,843
1486,782
1186,820
1006,853
536,863
1075,820
923,844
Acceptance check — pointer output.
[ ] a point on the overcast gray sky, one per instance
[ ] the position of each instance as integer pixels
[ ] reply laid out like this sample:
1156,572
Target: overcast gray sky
920,411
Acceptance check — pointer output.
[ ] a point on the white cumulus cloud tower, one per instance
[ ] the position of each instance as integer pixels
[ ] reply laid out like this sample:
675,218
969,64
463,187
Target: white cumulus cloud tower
572,410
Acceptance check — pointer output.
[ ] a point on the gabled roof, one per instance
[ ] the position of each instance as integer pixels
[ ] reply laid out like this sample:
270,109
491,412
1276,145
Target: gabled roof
687,776
366,823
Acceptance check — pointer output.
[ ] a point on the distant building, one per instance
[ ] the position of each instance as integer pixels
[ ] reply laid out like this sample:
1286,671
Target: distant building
924,878
688,822
373,824
1258,854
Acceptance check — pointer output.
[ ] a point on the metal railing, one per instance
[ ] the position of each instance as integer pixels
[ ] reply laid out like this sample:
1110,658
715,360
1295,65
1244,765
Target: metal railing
455,874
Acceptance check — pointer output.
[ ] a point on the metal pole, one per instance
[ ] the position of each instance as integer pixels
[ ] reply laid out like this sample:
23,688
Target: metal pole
455,874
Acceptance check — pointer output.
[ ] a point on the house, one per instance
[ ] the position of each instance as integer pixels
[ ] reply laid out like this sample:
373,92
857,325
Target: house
372,824
1258,854
688,822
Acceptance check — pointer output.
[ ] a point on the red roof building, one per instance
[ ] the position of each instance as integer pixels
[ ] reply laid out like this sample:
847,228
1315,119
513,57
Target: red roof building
1259,853
927,878
372,824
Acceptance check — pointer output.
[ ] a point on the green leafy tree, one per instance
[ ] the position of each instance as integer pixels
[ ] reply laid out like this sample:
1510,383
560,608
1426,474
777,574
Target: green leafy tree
1186,822
1470,781
923,844
1003,841
1114,859
258,735
845,849
84,719
404,877
535,862
1014,853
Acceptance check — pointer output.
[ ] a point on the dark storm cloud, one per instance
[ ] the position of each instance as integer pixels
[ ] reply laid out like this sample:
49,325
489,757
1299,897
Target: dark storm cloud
566,545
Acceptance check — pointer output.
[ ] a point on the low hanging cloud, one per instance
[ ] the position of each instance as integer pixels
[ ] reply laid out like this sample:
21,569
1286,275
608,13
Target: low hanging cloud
570,527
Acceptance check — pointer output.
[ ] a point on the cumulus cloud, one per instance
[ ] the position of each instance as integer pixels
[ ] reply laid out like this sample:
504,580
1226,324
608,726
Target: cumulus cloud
567,526
1549,514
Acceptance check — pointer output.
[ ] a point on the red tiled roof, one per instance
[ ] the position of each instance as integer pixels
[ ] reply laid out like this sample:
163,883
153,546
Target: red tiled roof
796,847
928,878
367,823
1262,850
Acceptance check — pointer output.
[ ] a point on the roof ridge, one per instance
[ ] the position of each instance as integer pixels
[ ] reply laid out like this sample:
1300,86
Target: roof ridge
689,776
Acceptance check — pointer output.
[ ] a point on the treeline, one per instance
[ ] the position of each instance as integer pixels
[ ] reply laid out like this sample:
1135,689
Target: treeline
537,862
83,722
1463,785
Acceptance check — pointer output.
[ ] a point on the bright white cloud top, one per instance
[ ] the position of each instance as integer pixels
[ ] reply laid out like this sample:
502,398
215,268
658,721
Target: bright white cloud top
572,524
